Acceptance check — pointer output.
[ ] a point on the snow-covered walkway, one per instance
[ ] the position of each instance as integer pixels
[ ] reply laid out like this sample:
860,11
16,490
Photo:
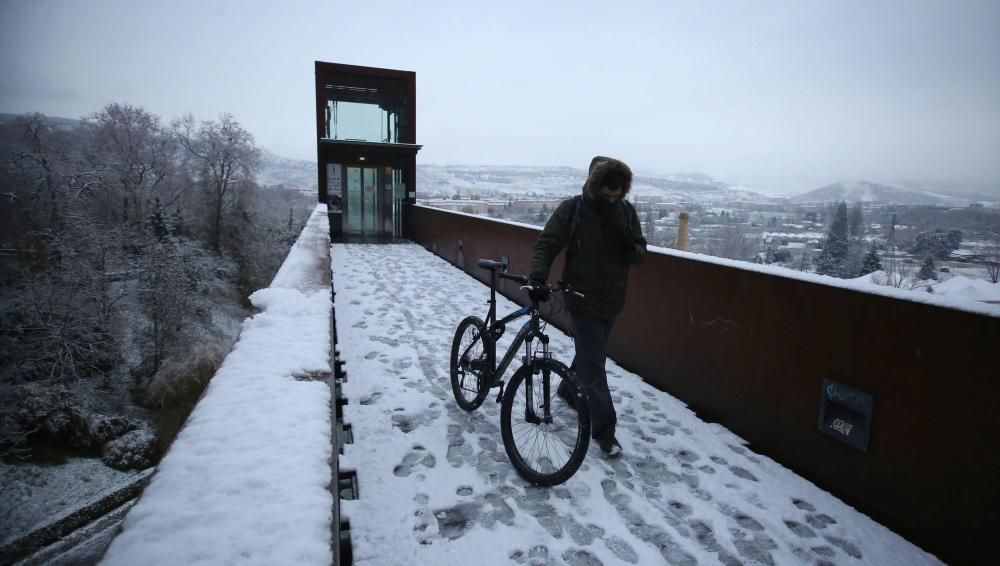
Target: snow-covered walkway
435,485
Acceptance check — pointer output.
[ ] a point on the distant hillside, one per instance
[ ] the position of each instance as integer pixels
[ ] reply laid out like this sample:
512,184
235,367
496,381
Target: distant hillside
54,121
527,181
972,192
867,191
495,180
293,173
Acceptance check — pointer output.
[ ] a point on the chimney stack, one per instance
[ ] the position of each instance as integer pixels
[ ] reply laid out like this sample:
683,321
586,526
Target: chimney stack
682,231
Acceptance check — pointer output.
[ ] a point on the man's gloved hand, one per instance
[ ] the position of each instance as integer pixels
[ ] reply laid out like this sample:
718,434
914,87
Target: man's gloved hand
539,292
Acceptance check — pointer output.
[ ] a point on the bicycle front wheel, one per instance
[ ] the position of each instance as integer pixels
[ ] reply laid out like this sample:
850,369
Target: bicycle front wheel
469,372
545,438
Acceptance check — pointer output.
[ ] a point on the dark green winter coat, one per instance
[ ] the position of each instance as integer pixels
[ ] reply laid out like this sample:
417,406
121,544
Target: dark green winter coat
608,239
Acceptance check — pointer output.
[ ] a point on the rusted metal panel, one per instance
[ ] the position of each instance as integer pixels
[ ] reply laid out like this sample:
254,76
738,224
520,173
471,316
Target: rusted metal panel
750,350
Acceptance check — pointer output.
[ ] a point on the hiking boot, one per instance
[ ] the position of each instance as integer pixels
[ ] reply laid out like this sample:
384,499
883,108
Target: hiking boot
563,392
609,445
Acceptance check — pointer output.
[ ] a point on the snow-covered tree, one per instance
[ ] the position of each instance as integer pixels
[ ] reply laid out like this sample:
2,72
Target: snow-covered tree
939,243
225,159
167,290
991,260
114,274
59,304
871,263
133,157
833,256
733,241
928,270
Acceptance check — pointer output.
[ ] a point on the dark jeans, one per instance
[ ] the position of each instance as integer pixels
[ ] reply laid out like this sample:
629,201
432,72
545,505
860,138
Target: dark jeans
591,337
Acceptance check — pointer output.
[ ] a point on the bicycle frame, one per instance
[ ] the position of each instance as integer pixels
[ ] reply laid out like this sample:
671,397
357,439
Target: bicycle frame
545,444
527,333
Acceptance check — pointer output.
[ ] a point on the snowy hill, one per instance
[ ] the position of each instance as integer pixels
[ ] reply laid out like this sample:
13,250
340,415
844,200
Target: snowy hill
292,173
986,193
867,191
54,121
528,181
495,180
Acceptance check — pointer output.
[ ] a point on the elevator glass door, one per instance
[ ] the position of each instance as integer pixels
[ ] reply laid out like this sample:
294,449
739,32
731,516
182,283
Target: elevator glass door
374,201
362,196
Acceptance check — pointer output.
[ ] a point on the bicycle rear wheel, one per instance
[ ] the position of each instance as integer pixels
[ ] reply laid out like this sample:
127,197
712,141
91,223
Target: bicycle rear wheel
469,372
545,451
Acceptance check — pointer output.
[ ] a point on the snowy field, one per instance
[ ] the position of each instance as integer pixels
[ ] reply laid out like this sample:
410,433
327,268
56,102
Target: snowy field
435,485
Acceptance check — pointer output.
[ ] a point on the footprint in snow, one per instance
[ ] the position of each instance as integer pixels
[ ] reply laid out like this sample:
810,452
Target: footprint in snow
418,456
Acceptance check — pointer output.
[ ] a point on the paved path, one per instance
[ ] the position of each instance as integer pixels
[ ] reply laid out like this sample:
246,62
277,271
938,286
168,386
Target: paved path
435,485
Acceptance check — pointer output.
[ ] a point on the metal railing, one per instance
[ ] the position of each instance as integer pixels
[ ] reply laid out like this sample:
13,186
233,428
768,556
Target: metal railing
752,349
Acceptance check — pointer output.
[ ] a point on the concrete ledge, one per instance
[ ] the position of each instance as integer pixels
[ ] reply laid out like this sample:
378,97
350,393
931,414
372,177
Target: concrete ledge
248,477
73,519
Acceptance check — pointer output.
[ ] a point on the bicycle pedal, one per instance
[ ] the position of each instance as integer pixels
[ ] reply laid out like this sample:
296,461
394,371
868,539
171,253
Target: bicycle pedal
500,394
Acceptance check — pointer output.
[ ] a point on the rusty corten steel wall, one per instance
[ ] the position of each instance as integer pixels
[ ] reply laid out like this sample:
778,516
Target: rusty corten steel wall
750,350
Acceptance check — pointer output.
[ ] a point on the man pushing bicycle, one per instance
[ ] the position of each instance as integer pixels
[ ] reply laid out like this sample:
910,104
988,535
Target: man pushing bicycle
602,236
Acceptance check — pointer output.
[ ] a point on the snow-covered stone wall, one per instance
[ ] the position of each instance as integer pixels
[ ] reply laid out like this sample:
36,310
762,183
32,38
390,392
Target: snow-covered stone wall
247,479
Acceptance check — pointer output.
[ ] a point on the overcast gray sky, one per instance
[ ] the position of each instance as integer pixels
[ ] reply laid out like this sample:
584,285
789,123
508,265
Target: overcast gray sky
782,96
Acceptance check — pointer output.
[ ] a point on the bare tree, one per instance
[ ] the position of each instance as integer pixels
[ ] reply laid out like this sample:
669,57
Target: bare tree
112,280
60,306
225,158
734,242
896,272
136,157
991,259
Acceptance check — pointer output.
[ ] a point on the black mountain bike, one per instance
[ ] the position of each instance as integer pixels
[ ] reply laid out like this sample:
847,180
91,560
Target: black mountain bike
545,437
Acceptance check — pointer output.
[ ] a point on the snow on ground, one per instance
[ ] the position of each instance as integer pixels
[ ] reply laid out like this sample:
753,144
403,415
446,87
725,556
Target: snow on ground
967,288
34,493
957,288
435,485
247,479
861,284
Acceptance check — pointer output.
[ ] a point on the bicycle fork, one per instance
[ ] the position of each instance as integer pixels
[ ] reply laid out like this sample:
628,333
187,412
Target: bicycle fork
529,410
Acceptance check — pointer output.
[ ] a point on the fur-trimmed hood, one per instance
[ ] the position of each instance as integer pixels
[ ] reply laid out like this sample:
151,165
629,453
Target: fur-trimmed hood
600,166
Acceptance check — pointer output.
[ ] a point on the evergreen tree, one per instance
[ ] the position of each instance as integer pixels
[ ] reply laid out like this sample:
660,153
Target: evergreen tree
928,270
855,224
157,221
833,256
938,243
871,263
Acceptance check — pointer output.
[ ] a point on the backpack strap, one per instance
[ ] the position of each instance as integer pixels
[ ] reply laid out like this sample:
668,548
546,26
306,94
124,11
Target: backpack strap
574,222
628,216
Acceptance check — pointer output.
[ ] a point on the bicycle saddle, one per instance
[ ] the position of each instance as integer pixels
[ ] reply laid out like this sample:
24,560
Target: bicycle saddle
490,264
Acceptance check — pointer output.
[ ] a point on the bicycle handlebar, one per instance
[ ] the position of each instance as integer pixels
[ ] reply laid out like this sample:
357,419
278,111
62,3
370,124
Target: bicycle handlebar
558,286
526,284
519,278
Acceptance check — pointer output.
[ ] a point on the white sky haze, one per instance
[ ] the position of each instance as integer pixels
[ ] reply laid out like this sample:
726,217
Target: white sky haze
781,96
